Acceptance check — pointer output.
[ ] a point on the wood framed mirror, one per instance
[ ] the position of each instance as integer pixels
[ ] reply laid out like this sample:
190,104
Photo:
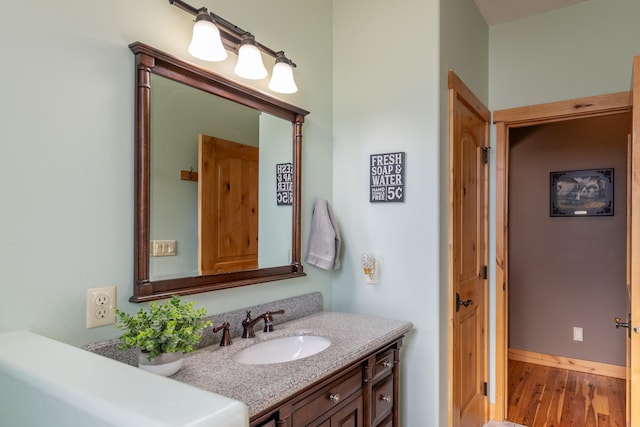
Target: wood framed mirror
153,69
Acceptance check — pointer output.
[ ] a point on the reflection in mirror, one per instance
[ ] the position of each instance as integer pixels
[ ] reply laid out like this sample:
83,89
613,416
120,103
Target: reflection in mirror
180,114
181,111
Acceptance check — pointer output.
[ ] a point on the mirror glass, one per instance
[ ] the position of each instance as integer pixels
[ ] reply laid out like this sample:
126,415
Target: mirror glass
217,181
179,115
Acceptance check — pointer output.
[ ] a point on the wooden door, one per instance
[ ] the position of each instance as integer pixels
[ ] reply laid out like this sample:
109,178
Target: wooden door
633,254
227,206
469,124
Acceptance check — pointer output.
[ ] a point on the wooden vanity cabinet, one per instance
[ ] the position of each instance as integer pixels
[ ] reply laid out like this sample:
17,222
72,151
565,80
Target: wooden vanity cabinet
363,394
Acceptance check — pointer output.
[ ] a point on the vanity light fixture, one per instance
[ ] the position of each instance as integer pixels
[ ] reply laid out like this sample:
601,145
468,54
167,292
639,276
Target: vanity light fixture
213,34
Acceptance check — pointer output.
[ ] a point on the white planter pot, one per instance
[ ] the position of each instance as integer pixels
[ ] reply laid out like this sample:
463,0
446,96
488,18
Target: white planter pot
166,364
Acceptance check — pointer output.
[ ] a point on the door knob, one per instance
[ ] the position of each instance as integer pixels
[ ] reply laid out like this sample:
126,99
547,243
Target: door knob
459,302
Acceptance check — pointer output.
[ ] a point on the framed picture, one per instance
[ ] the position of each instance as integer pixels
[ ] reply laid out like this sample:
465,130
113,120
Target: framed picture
582,193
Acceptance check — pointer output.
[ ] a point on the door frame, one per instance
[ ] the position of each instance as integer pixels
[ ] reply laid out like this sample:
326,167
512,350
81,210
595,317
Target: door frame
505,120
457,89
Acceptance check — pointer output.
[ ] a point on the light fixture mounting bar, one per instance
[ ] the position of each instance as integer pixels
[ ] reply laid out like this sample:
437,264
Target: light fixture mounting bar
230,33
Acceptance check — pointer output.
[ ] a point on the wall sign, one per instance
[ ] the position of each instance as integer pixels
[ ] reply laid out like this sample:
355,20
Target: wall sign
387,177
284,183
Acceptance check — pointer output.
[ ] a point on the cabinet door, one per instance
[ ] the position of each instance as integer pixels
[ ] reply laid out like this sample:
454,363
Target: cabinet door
349,415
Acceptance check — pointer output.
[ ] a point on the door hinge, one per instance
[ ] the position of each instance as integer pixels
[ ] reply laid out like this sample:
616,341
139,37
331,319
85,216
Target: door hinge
485,272
484,389
485,155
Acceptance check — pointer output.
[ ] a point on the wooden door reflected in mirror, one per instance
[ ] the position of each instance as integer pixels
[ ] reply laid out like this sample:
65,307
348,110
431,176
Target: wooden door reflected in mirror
227,206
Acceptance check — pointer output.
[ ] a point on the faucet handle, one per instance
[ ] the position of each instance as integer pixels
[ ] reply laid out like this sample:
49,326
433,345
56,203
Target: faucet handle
247,319
268,326
226,338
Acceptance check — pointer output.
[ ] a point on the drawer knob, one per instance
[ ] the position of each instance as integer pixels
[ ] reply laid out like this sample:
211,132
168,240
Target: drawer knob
386,363
385,398
334,397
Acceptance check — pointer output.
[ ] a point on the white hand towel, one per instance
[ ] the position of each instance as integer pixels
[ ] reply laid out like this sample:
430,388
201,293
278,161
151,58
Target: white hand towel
324,238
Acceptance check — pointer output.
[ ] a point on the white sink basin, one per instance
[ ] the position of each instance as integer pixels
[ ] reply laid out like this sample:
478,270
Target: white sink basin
285,349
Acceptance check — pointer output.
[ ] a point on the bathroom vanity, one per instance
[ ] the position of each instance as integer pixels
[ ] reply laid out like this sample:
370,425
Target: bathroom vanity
353,382
363,394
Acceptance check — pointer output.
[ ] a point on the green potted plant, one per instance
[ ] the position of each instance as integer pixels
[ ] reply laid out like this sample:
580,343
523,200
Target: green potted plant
162,333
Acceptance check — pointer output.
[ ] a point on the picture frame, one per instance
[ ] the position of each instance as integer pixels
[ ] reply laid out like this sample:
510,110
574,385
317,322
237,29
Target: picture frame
586,192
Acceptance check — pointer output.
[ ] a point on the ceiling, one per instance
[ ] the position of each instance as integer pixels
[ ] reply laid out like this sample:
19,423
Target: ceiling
500,11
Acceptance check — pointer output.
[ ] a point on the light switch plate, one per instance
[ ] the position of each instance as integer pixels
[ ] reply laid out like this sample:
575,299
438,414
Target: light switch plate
577,333
162,248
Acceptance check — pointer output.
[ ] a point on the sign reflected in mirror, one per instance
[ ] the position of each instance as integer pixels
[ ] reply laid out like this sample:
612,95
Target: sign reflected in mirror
180,108
284,183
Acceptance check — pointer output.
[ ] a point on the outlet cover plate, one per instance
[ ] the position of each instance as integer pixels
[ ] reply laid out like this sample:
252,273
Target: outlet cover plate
577,333
100,305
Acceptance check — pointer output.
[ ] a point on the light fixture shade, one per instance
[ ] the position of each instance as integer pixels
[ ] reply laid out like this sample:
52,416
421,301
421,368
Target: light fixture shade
206,43
282,78
250,65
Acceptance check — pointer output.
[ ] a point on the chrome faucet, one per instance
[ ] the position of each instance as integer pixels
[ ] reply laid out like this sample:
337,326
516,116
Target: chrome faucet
248,322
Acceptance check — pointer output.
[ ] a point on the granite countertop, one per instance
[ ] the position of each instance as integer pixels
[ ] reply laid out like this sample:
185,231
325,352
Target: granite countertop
352,336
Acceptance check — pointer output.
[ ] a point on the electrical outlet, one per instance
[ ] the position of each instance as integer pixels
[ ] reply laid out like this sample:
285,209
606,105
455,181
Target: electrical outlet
100,305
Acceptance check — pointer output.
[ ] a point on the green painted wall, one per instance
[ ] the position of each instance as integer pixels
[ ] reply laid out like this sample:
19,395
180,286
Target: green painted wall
390,94
574,52
67,147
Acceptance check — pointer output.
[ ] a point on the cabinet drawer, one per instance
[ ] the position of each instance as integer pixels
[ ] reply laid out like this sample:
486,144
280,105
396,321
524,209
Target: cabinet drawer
384,364
382,398
327,398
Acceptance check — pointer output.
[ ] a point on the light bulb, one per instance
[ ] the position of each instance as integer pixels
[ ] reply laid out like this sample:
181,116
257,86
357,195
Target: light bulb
282,77
206,43
250,64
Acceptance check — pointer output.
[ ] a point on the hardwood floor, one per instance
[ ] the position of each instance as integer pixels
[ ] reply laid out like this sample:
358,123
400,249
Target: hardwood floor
543,396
